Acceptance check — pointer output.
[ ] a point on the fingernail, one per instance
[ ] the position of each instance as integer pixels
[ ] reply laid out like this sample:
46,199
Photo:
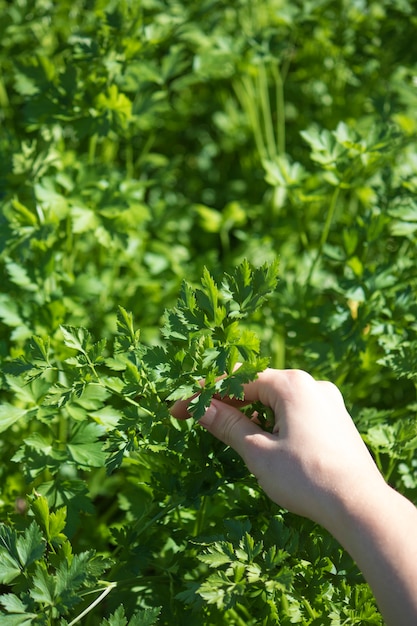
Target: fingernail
209,415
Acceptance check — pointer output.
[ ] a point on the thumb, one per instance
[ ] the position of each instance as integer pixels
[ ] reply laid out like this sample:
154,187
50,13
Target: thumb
230,426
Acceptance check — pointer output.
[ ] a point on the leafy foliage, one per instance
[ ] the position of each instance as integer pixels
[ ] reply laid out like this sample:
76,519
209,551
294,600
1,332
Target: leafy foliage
157,159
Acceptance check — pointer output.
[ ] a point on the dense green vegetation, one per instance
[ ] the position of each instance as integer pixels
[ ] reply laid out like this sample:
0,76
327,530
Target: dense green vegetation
148,143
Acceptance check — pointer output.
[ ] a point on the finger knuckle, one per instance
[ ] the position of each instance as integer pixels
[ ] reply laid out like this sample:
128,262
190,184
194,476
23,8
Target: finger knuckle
331,389
297,378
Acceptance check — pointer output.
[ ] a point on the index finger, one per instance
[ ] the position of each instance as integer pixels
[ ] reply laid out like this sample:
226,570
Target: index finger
272,388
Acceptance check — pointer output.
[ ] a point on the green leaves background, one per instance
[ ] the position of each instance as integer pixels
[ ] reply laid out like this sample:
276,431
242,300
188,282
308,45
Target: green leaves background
147,149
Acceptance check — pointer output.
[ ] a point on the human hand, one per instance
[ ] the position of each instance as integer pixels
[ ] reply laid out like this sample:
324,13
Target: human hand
314,462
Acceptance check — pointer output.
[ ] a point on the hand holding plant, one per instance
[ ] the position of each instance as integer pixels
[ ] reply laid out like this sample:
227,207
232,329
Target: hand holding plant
315,464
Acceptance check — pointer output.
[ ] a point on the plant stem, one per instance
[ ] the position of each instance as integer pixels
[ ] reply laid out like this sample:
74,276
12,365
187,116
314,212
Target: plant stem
280,105
325,233
200,516
246,95
266,112
391,467
129,160
238,620
92,148
93,604
307,605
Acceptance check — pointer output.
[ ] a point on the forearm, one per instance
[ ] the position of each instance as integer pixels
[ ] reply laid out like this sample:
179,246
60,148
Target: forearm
316,464
379,531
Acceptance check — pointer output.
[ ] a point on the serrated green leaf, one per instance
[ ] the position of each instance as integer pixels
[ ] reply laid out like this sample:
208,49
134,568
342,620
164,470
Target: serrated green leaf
70,493
41,510
217,555
40,348
43,588
31,392
84,447
237,286
181,392
125,326
18,620
31,545
187,297
218,589
175,327
246,288
9,415
71,575
208,297
8,538
232,385
87,455
199,405
9,311
248,344
145,617
52,523
12,603
118,618
19,275
17,611
76,338
108,417
91,396
9,567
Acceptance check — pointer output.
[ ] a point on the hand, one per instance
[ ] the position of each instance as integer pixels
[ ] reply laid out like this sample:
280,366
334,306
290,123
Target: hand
313,460
315,463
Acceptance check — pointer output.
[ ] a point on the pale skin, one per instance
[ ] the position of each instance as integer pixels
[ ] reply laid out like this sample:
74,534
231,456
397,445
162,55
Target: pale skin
315,464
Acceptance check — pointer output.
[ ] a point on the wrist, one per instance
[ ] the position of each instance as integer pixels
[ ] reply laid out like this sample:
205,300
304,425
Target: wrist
373,528
359,509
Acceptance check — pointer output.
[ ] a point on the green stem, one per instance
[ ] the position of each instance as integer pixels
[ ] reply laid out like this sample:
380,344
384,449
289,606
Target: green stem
199,522
280,105
244,611
92,148
145,150
308,606
325,233
238,620
4,99
225,240
68,258
266,112
300,224
129,161
377,458
246,95
91,366
391,467
126,398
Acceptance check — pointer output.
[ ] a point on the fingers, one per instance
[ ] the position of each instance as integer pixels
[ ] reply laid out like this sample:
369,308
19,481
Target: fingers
229,425
180,408
273,388
258,390
180,411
